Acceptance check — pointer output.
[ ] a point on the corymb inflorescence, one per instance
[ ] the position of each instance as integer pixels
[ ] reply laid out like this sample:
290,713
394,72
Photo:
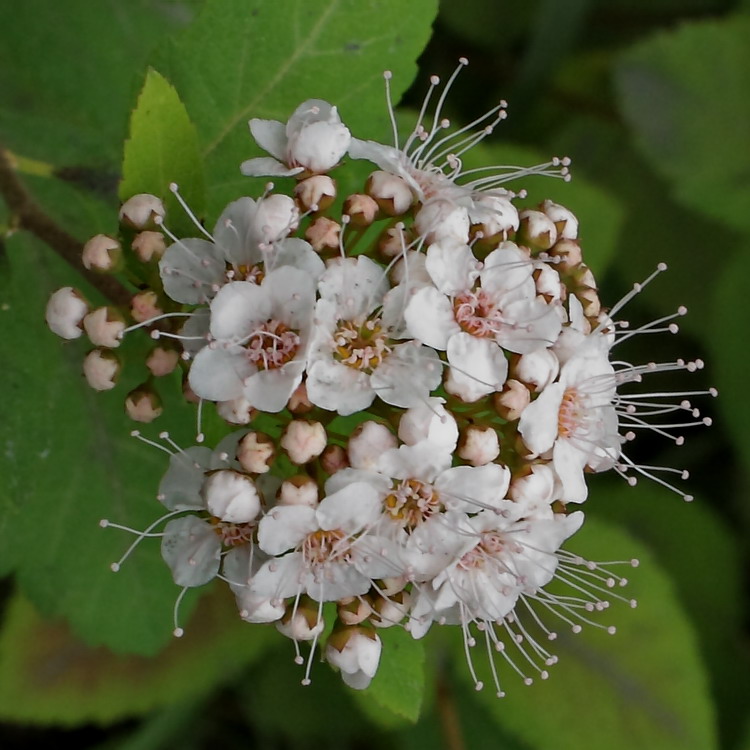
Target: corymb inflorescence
442,377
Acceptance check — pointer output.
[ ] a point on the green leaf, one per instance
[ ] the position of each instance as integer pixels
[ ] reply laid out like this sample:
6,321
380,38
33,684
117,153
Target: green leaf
731,357
261,58
163,149
643,687
684,94
398,686
48,676
68,461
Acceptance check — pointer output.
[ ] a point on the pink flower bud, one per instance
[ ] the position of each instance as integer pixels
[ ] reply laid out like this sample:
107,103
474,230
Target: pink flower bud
65,312
142,211
101,253
101,368
303,441
104,327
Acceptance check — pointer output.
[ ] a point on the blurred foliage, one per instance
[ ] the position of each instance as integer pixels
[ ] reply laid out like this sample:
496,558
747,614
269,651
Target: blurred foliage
648,97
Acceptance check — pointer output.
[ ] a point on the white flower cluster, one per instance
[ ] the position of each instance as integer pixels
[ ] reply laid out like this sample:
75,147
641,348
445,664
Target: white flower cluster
438,397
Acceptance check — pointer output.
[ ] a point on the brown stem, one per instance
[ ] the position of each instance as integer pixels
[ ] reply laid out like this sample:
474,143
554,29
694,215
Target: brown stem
29,215
449,718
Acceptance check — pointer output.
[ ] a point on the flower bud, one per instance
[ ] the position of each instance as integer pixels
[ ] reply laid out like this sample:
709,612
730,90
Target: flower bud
298,490
494,216
353,610
361,209
393,195
256,452
316,193
393,242
512,400
104,327
389,610
536,484
356,652
142,211
101,253
301,621
65,312
303,441
563,219
548,283
143,405
231,496
536,230
144,306
236,411
367,443
149,245
479,445
101,368
536,369
299,403
569,254
162,361
276,216
334,459
323,234
429,421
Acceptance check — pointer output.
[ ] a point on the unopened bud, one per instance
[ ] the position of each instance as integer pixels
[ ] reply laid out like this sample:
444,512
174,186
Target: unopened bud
316,193
493,215
568,253
65,312
256,452
536,230
301,621
564,219
298,490
441,219
356,652
162,361
393,195
299,403
101,253
144,306
361,209
104,327
353,611
303,440
389,610
536,369
479,445
231,496
334,459
142,211
101,368
323,234
512,400
393,242
143,405
149,245
548,283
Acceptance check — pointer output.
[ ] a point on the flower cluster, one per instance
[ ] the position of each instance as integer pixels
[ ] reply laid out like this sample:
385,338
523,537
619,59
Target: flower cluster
439,396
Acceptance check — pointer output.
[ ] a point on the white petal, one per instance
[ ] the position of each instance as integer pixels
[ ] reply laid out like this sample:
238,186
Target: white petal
181,485
470,489
538,424
237,310
192,551
269,390
298,254
265,166
569,463
270,135
429,317
350,509
233,233
284,527
452,266
337,387
190,269
219,374
407,376
478,366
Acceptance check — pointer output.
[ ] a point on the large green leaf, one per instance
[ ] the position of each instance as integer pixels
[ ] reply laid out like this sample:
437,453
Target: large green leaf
48,676
163,149
684,94
732,357
643,687
67,461
259,58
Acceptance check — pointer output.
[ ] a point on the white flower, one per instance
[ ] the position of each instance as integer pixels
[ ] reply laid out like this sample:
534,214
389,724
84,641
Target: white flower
326,557
192,550
314,140
353,356
260,337
575,418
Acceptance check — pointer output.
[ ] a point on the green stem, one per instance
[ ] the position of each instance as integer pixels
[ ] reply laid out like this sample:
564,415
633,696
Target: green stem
27,214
